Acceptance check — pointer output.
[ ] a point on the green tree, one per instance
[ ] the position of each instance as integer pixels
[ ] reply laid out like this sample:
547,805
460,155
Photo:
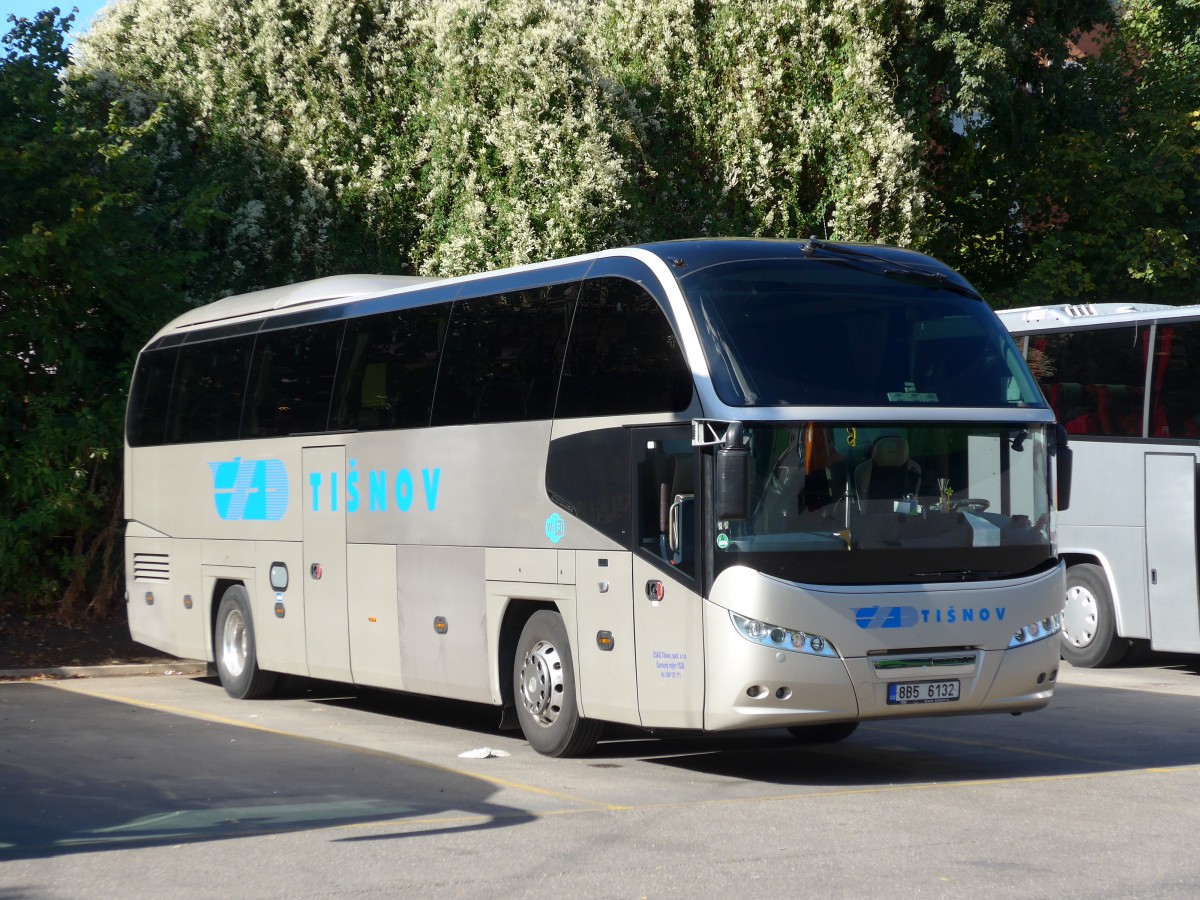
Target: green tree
1114,211
75,240
117,215
1063,150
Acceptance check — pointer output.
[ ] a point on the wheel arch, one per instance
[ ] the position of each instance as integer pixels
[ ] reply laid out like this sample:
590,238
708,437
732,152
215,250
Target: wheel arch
1099,560
516,613
220,586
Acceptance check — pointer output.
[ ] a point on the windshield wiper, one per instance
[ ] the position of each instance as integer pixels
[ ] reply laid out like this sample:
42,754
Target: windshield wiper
889,267
960,575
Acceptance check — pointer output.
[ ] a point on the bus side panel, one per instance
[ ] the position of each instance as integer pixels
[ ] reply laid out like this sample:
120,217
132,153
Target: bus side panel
166,608
445,583
279,615
607,678
1106,519
374,616
670,650
1122,555
235,492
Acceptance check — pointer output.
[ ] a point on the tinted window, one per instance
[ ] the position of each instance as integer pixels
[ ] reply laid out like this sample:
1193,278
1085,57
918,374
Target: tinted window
1175,382
1094,379
291,380
502,357
821,333
623,357
588,475
206,397
667,497
149,396
389,366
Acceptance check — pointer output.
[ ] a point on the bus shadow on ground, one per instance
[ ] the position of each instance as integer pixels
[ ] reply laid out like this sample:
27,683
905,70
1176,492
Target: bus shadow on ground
83,774
1084,730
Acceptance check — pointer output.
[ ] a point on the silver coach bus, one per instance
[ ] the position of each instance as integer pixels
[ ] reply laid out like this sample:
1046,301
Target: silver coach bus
1123,380
701,485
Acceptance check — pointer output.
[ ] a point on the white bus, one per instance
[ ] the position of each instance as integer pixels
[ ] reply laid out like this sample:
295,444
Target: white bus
1123,379
703,485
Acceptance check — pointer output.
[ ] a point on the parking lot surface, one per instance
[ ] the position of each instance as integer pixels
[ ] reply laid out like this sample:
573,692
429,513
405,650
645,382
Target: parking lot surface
163,786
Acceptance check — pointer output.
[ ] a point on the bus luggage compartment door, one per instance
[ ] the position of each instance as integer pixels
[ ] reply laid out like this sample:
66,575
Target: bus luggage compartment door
1171,552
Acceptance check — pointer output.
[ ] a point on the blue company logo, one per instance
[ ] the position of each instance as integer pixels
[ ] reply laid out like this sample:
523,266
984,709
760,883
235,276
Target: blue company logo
909,616
250,490
555,528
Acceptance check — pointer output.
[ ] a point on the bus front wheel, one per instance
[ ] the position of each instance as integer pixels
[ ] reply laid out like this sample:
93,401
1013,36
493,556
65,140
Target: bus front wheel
233,642
1089,634
544,688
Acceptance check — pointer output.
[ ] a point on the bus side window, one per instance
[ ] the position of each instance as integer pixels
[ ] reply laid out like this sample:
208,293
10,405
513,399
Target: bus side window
1175,386
291,380
622,357
207,392
667,507
149,396
387,369
1094,378
588,475
502,357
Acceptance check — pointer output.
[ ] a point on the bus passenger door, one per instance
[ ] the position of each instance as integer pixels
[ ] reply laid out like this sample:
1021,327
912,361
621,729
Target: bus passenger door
1171,552
667,609
326,622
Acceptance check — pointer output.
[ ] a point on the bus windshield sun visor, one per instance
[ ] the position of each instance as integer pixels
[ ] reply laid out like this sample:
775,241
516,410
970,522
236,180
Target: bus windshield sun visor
889,267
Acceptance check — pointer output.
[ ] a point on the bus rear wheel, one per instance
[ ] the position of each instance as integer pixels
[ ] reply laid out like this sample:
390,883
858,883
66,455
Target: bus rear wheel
544,688
1089,634
233,641
828,733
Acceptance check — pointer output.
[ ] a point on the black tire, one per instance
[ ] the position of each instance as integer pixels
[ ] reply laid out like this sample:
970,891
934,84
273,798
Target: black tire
829,733
233,646
544,690
1089,634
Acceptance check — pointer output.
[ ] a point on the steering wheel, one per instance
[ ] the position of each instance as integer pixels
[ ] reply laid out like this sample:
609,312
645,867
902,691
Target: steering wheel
969,504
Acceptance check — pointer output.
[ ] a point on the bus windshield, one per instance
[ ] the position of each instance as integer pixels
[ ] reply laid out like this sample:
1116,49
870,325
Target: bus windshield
828,333
862,503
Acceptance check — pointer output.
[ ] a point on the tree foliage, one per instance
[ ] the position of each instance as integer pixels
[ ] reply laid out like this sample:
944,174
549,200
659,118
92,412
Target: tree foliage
1050,149
116,216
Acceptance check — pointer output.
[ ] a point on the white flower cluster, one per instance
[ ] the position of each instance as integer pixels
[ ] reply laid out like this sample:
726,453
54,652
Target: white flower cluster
466,134
795,102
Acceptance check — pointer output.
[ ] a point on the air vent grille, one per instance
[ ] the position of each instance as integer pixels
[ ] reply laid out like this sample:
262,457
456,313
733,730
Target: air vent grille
151,567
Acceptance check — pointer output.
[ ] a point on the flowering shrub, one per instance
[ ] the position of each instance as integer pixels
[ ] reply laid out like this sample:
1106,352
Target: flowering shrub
198,148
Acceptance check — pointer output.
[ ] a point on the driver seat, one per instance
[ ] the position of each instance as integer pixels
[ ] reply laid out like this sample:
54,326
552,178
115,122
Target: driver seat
886,476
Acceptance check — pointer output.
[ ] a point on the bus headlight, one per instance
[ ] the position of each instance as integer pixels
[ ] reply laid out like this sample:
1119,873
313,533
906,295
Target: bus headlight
778,638
1037,631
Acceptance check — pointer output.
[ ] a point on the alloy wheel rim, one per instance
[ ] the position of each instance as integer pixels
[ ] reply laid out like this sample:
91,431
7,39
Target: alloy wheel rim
542,685
1080,616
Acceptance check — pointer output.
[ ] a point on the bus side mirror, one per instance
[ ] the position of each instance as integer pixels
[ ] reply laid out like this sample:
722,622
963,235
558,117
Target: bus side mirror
732,488
1063,462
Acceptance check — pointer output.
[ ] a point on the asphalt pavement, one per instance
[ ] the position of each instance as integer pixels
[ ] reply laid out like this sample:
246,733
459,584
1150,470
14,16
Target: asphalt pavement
132,787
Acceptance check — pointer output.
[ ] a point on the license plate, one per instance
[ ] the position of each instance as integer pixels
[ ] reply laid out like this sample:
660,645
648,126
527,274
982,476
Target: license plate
922,691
